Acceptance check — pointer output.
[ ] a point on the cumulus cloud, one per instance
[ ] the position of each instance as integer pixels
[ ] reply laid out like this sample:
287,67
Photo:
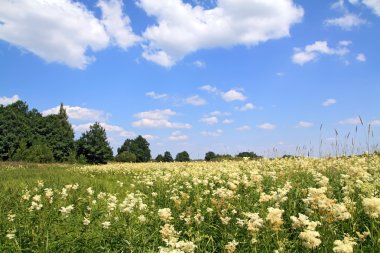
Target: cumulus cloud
233,95
155,95
246,107
79,113
195,100
209,88
216,133
243,128
158,119
150,137
117,24
328,102
311,52
228,121
374,5
351,121
375,122
47,29
267,126
109,129
304,124
9,100
361,57
178,136
210,120
346,22
182,28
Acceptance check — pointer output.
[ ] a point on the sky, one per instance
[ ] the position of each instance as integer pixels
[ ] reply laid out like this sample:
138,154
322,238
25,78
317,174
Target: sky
269,76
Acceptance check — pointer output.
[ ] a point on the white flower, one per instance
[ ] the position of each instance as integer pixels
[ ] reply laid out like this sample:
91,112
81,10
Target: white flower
106,224
86,221
231,246
165,214
65,211
345,246
372,207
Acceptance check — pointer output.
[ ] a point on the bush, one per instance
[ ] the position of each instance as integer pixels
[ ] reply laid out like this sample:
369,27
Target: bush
40,153
126,157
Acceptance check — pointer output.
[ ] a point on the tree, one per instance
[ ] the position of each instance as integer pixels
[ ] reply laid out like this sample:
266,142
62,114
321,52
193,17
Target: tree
182,157
93,145
159,158
250,155
168,157
126,157
210,156
139,146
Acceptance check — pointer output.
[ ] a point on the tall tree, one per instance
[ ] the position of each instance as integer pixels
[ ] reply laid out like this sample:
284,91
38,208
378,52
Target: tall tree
139,146
93,145
182,157
210,156
168,157
159,158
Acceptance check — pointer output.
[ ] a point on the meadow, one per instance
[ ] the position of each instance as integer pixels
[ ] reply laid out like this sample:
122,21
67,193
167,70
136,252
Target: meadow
266,205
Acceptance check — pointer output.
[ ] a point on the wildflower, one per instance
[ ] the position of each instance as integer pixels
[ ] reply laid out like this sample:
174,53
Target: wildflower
142,218
90,191
11,216
345,246
231,246
26,195
185,246
106,224
11,234
225,220
275,218
372,207
310,238
165,214
86,221
168,233
49,194
65,211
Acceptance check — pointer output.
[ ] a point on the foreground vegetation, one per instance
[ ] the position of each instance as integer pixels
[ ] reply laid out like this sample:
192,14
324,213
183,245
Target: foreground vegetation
282,205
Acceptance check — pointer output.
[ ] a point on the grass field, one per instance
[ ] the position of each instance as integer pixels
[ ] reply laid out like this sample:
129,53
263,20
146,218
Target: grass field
281,205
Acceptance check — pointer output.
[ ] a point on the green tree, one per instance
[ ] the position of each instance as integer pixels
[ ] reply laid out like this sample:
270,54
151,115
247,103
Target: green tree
126,157
139,146
159,158
250,155
40,153
210,156
168,157
93,145
182,157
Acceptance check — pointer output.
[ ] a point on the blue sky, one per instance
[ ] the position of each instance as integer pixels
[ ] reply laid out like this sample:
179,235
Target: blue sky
227,75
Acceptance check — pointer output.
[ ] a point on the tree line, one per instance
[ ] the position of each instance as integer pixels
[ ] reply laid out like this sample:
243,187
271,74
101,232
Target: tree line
27,135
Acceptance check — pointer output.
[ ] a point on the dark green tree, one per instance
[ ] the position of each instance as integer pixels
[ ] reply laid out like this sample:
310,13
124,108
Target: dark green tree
210,156
93,145
250,155
139,146
168,157
182,157
159,158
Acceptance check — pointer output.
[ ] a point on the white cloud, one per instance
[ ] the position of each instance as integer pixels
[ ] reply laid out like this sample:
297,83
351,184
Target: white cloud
117,24
233,95
199,64
216,133
109,129
246,107
361,57
150,137
64,31
6,100
195,100
311,52
155,95
347,22
80,113
178,136
304,124
158,119
280,74
328,102
267,126
182,29
210,120
351,121
228,121
243,128
374,5
375,122
209,88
